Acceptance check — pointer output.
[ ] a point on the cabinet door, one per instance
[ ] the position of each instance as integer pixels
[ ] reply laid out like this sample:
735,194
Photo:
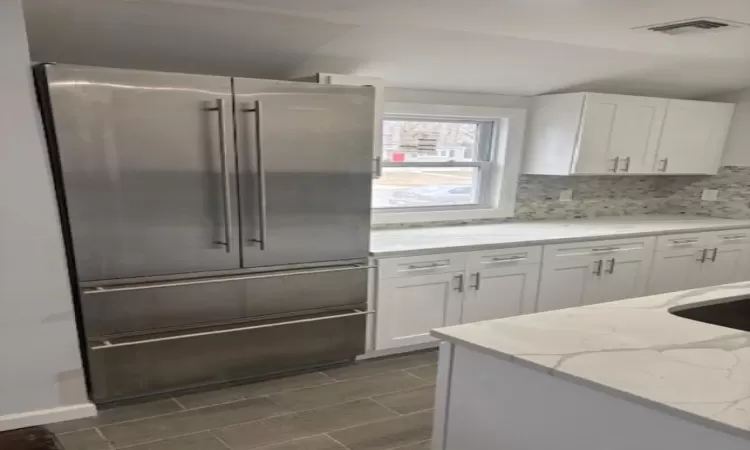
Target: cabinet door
565,285
621,277
725,264
675,270
693,137
408,308
618,134
500,292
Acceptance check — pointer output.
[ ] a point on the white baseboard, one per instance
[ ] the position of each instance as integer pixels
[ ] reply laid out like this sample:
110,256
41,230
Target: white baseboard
397,350
45,416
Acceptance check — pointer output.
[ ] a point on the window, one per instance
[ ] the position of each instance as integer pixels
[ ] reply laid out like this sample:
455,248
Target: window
444,162
433,164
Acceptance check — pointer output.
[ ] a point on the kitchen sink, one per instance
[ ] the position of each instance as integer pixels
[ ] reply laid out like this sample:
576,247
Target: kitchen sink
735,314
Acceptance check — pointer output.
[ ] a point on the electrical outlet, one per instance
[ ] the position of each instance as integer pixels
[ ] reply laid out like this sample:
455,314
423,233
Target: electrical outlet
566,195
710,195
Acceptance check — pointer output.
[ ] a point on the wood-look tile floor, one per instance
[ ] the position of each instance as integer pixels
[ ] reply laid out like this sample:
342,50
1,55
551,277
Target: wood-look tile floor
383,404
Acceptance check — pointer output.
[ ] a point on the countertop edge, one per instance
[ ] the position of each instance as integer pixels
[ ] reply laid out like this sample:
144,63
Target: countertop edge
651,404
500,245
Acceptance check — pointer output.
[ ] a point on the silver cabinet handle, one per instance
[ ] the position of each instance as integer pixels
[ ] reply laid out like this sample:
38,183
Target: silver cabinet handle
684,241
426,266
611,268
477,280
604,249
714,251
107,344
664,163
508,259
598,268
460,286
627,165
703,255
262,210
136,287
225,183
378,172
736,236
615,163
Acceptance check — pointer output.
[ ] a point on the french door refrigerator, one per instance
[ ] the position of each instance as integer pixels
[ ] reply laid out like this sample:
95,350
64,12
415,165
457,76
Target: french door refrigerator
217,228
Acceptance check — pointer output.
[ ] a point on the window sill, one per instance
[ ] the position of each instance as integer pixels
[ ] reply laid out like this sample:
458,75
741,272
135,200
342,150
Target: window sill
383,218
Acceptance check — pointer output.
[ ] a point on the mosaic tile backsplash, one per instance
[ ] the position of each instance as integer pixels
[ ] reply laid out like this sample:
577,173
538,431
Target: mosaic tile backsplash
599,196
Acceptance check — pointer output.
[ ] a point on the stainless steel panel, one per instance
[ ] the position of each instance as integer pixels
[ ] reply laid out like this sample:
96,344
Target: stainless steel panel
142,167
305,160
120,372
134,309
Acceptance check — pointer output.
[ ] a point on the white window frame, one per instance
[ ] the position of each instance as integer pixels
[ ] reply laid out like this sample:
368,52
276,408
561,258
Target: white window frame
508,131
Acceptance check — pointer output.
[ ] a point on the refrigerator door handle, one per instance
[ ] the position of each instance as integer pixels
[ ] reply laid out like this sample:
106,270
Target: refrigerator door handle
225,183
262,215
106,344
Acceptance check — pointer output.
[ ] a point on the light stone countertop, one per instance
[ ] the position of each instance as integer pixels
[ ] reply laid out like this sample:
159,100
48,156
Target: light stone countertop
637,350
416,241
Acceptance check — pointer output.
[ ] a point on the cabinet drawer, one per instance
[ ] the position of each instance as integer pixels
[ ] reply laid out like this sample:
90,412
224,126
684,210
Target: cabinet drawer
729,237
565,253
504,257
681,241
421,265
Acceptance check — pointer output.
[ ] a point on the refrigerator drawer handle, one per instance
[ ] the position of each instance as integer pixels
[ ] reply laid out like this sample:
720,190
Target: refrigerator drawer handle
262,215
225,182
136,287
107,344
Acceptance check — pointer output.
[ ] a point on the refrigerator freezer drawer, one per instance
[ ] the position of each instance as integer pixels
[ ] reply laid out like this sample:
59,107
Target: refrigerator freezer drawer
184,304
158,363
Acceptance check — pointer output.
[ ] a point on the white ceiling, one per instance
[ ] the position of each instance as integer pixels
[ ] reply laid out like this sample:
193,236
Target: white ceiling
523,47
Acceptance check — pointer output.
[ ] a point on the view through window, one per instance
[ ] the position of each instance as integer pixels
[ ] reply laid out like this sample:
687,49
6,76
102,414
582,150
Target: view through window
433,164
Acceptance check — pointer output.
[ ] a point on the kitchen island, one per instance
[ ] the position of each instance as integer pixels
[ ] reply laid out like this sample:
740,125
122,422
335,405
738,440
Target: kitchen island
624,375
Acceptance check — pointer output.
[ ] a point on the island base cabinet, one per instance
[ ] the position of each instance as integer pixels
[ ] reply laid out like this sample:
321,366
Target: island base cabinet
409,307
500,292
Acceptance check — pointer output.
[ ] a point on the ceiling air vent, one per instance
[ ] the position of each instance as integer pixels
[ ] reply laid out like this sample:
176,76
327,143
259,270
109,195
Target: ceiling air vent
689,26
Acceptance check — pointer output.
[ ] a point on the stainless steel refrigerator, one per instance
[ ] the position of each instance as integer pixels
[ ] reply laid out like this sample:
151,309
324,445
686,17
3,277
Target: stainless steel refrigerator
218,227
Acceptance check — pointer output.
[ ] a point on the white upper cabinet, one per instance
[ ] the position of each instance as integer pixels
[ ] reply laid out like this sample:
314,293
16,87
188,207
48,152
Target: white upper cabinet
693,137
599,134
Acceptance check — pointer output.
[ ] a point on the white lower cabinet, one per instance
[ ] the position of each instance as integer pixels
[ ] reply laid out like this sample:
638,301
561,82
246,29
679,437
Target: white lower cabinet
416,294
700,260
501,285
593,272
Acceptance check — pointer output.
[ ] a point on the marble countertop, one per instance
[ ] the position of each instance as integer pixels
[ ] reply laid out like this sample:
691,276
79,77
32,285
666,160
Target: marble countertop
415,241
635,349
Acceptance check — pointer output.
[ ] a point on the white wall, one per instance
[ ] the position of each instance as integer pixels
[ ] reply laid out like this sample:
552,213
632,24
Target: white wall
40,364
737,150
393,94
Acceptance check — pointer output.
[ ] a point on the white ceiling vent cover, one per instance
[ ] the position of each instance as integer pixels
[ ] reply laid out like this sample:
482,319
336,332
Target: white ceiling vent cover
691,26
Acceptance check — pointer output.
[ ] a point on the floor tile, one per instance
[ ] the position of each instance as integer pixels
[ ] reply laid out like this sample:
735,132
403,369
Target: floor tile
83,440
118,414
377,366
345,391
304,424
407,402
31,438
428,373
387,434
250,390
313,443
424,445
185,422
198,441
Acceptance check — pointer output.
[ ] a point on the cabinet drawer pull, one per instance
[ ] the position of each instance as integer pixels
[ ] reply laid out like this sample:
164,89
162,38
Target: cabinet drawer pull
714,251
425,266
507,259
611,268
627,165
604,249
477,277
736,236
598,268
703,253
684,241
664,164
